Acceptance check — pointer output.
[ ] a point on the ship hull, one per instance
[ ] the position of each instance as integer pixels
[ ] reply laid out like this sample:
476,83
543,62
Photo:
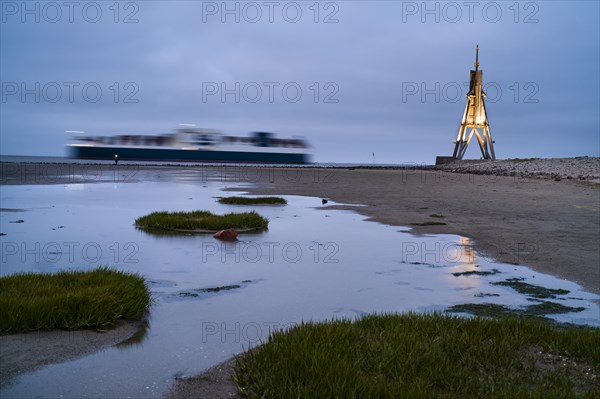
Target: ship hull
183,155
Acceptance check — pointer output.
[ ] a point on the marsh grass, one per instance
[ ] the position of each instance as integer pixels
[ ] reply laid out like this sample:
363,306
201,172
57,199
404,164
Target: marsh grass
71,299
201,220
413,355
253,201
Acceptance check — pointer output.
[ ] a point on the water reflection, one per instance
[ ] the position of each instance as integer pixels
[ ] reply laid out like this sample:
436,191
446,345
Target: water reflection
138,337
179,234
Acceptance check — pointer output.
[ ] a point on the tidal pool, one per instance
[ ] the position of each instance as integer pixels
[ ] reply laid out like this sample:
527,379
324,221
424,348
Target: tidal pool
215,299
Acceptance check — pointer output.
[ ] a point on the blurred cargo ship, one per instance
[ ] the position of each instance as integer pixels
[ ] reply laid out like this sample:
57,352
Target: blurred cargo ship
194,145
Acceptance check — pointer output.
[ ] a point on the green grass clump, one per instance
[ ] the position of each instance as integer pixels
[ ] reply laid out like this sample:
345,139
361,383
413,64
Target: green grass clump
202,220
71,299
253,201
412,355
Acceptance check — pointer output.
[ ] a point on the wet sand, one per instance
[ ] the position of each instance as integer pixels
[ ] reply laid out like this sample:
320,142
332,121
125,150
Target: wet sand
552,226
22,353
215,383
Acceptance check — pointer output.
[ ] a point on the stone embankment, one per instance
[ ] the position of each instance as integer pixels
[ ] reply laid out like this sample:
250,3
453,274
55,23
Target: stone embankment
586,169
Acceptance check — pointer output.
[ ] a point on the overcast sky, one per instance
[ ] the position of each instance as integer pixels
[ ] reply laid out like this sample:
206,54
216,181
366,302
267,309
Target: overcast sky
352,77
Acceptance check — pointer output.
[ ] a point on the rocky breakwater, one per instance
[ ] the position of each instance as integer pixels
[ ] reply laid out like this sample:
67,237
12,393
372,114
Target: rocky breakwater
586,169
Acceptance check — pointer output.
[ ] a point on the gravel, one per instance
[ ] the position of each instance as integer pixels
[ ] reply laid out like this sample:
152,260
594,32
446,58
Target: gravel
586,169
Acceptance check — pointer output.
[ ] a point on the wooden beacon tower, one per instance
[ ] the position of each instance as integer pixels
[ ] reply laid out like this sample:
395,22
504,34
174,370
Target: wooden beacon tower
475,120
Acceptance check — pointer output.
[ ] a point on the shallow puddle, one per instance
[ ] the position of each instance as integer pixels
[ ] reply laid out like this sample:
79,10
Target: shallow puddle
216,299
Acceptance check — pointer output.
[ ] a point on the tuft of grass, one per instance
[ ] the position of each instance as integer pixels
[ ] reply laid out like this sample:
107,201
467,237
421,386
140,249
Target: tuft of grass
429,223
71,299
535,291
202,220
416,355
253,201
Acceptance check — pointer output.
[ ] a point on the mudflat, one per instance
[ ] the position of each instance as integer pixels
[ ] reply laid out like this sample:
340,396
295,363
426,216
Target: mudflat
551,226
549,223
26,352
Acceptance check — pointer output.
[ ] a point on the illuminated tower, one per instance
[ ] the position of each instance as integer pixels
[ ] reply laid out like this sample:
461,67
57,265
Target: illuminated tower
475,120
